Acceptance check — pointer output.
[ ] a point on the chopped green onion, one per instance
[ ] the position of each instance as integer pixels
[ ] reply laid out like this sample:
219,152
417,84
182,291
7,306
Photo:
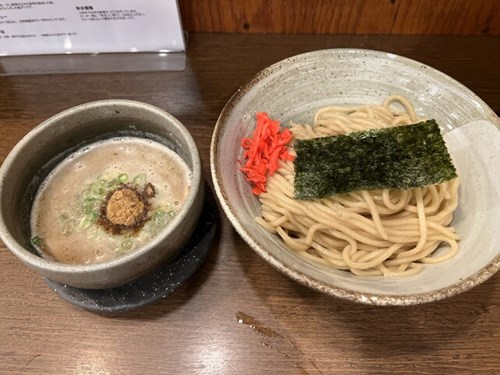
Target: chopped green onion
171,213
159,213
68,227
123,177
85,222
38,242
88,207
140,179
94,232
126,245
112,183
94,215
98,190
159,217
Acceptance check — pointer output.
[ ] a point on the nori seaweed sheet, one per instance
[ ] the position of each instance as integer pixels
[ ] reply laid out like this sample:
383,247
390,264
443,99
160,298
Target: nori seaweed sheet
401,157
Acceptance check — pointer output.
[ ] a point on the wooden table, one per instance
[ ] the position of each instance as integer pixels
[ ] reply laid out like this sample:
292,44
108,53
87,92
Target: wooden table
237,315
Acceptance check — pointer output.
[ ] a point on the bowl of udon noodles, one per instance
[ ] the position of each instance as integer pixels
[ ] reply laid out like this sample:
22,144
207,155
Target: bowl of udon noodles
383,246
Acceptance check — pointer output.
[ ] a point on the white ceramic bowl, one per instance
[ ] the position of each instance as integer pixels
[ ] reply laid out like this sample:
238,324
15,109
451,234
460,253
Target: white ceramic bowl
293,89
41,149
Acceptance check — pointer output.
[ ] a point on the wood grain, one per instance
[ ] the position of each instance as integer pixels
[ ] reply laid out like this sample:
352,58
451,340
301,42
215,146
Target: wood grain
398,17
237,314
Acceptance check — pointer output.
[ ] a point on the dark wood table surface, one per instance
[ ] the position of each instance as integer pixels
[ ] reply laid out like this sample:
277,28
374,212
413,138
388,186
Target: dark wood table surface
237,315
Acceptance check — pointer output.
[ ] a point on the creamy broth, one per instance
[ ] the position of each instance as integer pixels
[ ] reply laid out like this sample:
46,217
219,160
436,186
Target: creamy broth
65,218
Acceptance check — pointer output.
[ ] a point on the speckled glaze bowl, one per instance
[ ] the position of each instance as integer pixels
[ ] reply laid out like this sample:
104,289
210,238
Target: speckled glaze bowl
294,88
50,142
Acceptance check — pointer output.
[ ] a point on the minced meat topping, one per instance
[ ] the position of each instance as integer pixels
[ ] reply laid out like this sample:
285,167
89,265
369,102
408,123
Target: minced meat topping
125,208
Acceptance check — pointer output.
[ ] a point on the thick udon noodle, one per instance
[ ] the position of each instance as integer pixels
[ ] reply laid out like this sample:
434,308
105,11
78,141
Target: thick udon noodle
386,232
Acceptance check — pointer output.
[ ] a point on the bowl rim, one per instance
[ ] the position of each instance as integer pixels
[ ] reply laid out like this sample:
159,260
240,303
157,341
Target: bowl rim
379,299
45,264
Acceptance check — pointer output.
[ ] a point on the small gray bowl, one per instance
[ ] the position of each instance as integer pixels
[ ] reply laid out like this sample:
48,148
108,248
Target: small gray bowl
49,143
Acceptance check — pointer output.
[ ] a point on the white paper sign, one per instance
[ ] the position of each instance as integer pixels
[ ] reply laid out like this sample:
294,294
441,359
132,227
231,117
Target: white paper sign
89,26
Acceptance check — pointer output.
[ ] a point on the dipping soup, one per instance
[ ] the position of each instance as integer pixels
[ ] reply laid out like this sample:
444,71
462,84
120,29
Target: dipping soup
108,199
